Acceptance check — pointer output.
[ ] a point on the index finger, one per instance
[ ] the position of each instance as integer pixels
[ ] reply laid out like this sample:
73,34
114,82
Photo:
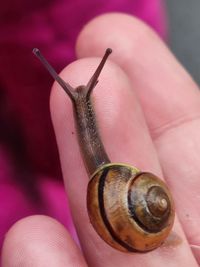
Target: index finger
125,142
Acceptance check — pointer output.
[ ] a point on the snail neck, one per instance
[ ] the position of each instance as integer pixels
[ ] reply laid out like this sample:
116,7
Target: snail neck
92,148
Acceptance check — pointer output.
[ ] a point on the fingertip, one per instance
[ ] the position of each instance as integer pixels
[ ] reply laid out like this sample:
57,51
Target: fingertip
112,30
151,67
39,241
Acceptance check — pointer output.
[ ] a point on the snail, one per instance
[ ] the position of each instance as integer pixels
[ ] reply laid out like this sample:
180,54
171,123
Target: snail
131,210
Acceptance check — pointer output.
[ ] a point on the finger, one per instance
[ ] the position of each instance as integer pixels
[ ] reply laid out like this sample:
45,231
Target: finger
170,100
125,142
40,241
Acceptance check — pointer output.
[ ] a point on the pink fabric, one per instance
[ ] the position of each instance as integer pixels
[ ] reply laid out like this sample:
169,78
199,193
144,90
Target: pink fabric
51,26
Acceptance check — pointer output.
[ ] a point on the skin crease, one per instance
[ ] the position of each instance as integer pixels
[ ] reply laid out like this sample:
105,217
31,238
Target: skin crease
147,142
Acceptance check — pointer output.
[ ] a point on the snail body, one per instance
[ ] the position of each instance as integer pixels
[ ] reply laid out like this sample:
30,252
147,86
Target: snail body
129,209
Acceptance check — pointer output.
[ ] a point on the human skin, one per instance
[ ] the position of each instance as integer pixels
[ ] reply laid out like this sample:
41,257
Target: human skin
147,109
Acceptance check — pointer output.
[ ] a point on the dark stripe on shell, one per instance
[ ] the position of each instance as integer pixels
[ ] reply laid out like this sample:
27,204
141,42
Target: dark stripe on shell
102,180
134,216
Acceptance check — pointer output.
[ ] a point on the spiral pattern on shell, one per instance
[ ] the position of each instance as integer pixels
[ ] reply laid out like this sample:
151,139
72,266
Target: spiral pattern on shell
129,209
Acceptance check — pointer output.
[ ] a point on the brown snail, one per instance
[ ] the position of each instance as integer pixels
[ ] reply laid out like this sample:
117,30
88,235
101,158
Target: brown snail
130,210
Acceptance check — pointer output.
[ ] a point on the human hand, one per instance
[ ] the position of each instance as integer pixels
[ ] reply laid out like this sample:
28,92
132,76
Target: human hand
148,116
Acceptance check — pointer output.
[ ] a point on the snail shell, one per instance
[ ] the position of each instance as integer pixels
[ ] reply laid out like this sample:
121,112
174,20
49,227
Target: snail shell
129,209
